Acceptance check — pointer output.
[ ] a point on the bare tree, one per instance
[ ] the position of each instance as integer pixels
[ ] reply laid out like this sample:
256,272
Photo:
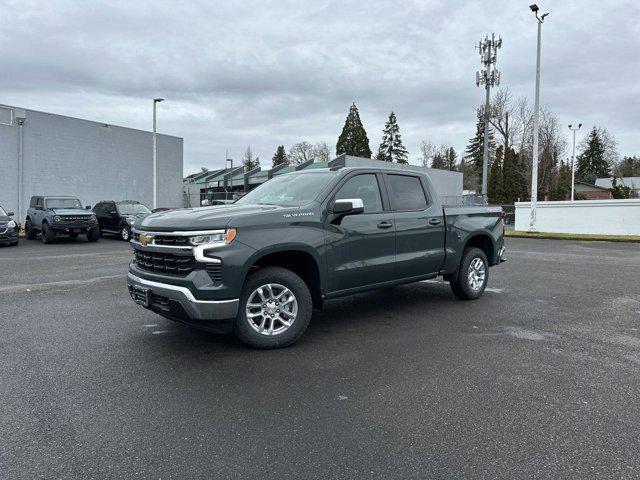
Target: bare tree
427,152
301,152
321,152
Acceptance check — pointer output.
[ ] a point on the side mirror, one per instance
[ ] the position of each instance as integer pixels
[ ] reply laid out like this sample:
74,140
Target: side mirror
87,207
346,206
10,214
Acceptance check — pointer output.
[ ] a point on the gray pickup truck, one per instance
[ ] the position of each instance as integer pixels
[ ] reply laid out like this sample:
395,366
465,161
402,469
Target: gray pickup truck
53,216
260,266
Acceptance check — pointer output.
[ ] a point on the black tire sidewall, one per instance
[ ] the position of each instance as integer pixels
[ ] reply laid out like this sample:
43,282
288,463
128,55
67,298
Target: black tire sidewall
293,282
94,234
463,277
48,235
29,232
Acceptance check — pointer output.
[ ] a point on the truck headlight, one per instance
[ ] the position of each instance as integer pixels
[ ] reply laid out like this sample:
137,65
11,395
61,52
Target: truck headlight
11,224
92,218
225,237
56,218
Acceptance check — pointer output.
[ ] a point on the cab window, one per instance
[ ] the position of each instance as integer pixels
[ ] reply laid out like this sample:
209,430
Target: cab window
364,187
407,193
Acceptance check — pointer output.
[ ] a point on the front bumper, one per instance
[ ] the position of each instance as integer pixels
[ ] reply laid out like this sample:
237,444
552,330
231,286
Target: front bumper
8,235
178,303
78,227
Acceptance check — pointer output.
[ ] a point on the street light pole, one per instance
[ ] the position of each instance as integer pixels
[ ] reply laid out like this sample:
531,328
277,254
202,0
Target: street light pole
573,160
536,114
155,156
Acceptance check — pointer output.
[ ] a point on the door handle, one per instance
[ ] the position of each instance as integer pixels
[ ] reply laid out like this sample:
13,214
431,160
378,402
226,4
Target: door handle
434,221
385,225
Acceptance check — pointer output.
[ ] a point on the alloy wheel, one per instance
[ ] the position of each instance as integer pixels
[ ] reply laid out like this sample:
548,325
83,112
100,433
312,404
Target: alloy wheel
124,233
477,274
271,309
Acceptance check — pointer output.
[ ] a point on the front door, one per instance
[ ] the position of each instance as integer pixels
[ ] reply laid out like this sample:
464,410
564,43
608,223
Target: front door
419,227
361,248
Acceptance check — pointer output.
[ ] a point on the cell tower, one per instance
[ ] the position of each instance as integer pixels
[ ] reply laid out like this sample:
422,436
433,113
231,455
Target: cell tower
489,77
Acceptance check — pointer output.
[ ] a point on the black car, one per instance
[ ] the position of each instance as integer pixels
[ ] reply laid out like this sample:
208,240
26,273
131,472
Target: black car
9,228
120,217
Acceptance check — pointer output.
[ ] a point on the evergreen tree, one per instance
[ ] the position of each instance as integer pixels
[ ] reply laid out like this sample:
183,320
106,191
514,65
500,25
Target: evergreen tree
248,161
439,160
562,188
451,159
512,183
391,149
353,140
629,167
280,157
475,149
619,191
592,163
494,184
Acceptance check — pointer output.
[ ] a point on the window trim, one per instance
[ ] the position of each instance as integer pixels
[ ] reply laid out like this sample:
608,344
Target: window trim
392,199
381,189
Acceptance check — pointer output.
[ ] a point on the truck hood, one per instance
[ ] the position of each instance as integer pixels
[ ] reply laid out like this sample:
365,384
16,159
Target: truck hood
71,211
205,218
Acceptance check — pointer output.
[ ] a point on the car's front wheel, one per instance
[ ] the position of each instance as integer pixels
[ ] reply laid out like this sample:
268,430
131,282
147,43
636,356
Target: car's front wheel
94,234
275,308
125,233
48,235
473,275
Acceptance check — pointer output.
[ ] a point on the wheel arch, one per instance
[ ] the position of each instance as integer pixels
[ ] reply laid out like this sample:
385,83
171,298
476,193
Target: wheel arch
300,259
484,242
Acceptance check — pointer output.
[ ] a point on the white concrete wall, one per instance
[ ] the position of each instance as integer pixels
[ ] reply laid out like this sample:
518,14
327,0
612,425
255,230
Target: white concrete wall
603,217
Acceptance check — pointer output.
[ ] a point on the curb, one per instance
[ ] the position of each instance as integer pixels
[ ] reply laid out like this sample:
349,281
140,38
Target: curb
574,236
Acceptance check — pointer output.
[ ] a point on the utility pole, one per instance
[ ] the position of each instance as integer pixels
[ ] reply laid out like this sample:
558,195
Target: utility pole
573,159
536,114
155,167
488,49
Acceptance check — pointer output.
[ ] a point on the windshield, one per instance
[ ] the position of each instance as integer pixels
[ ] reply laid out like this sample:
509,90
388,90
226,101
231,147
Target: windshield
289,190
132,208
3,212
61,203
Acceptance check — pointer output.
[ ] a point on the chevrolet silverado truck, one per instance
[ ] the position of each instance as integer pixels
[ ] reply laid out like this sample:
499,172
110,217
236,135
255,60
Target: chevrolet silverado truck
53,216
259,267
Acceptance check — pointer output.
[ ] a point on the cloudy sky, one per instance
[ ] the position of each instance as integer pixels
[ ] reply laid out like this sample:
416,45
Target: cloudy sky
264,73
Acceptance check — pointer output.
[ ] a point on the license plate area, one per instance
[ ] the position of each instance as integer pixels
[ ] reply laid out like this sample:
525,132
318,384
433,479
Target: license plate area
140,295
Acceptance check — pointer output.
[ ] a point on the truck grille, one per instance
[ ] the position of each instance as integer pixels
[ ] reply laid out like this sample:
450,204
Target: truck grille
171,241
73,218
165,263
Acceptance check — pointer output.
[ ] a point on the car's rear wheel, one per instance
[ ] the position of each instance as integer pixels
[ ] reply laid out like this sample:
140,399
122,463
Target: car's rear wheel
48,235
473,275
29,232
125,233
275,309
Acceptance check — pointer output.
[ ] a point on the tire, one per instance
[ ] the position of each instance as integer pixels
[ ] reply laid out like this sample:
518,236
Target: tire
299,310
29,232
473,275
125,233
48,235
94,234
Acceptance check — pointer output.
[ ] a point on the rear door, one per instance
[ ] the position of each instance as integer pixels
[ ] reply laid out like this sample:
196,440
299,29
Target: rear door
361,248
419,226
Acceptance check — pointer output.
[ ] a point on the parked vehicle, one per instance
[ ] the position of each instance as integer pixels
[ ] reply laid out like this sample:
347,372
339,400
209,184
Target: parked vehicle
120,217
161,209
259,267
53,216
9,228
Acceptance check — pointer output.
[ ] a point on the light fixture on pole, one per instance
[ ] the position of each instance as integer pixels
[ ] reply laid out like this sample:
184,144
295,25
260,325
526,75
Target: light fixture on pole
488,49
155,168
536,114
573,160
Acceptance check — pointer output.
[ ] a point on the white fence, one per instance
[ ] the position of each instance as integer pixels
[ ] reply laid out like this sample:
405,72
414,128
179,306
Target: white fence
600,217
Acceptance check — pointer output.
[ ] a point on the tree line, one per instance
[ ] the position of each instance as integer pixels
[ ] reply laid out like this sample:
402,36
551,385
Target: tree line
510,141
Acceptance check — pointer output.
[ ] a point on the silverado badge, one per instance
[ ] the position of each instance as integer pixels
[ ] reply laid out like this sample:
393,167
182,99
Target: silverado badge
145,239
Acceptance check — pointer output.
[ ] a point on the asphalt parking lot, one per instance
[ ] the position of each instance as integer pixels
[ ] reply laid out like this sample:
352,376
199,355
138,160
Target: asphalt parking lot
538,379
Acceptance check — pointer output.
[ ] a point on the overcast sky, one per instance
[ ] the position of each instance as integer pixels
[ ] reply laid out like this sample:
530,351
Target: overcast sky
260,73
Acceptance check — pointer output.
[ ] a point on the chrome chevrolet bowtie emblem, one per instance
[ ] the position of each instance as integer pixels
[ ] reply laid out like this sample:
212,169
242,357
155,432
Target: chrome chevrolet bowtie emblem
145,239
